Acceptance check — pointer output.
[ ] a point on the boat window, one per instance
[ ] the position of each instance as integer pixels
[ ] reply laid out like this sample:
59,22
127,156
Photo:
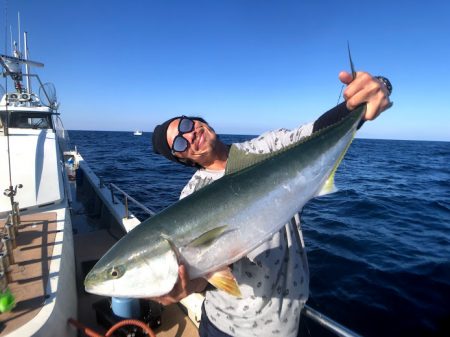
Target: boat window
30,120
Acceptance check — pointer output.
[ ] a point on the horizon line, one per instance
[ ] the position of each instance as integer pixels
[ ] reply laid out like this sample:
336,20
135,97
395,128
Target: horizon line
255,135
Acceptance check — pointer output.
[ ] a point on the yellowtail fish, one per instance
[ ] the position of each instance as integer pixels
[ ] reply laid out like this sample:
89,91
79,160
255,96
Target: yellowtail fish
222,222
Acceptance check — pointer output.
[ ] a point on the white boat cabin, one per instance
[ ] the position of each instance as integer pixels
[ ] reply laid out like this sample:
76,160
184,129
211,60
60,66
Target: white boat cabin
29,154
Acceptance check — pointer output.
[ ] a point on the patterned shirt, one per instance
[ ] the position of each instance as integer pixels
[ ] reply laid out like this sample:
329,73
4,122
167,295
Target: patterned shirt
274,277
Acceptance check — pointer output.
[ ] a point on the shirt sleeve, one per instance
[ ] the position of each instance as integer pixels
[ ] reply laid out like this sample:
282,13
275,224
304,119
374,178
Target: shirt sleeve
333,116
200,179
275,140
267,142
190,186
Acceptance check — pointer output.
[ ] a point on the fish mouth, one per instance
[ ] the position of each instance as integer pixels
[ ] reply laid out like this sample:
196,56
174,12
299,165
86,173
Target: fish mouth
93,280
89,282
91,286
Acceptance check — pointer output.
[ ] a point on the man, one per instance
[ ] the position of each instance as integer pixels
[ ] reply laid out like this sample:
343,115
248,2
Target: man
274,278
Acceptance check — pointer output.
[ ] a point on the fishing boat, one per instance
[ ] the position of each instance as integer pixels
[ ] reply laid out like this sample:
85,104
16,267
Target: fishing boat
137,133
57,218
37,251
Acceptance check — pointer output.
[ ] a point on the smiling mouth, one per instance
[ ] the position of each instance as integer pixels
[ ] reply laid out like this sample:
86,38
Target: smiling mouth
199,143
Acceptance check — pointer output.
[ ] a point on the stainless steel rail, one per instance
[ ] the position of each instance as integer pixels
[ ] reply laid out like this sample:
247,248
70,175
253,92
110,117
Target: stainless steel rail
127,197
328,323
321,319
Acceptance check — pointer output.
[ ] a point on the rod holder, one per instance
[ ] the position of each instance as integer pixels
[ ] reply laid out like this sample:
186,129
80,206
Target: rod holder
3,282
4,266
10,223
11,233
9,219
16,216
4,262
8,247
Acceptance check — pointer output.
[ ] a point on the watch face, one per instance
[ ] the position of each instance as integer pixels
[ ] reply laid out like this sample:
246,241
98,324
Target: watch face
386,82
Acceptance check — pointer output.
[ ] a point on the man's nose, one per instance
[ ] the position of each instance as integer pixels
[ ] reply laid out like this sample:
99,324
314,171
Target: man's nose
190,136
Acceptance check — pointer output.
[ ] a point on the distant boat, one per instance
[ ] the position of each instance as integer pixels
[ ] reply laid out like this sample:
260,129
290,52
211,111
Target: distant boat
137,133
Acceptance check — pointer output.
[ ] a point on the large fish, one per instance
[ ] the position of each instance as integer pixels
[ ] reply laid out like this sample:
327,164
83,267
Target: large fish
219,224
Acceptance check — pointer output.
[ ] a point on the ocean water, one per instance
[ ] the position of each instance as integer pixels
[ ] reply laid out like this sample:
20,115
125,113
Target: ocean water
378,249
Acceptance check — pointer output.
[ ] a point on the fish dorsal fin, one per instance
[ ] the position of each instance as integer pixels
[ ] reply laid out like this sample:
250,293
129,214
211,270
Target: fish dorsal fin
224,280
240,159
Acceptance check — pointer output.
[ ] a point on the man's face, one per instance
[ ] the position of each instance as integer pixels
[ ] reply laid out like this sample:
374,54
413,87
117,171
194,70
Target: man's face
201,142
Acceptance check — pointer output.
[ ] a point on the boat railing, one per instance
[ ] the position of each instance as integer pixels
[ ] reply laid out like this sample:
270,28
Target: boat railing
62,135
328,323
126,198
41,86
314,315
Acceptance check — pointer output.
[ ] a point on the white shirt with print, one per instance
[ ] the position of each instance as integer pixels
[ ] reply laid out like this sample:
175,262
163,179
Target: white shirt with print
273,278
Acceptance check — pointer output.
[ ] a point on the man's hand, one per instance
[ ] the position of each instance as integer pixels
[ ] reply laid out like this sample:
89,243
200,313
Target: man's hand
365,89
182,288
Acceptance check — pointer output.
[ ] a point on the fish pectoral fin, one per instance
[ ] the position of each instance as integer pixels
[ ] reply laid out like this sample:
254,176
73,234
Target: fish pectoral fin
224,280
172,246
208,237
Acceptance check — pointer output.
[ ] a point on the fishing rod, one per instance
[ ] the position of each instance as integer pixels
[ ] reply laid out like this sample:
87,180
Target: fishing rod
11,191
352,68
7,299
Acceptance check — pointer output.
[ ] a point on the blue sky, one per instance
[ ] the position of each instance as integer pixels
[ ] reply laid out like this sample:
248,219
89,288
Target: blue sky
246,66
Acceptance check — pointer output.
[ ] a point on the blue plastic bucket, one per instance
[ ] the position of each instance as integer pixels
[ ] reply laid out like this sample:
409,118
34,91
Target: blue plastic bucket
126,307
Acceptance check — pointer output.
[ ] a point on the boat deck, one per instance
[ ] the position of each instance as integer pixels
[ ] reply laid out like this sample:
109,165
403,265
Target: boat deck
90,243
30,272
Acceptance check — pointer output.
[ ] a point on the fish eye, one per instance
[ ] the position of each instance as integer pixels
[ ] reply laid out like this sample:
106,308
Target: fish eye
116,272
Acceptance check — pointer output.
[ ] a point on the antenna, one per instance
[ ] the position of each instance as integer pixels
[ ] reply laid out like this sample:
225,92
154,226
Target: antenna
10,33
18,25
27,66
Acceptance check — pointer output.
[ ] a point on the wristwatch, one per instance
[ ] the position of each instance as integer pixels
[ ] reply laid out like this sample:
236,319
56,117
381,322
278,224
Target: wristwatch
386,83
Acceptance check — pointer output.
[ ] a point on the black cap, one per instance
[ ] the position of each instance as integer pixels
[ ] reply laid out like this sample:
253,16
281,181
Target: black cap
159,141
160,145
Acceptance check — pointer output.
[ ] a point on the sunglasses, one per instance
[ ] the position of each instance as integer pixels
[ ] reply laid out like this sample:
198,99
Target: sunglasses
180,144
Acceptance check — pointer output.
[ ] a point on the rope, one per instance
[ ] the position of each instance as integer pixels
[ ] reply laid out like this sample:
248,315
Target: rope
136,322
92,333
84,328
